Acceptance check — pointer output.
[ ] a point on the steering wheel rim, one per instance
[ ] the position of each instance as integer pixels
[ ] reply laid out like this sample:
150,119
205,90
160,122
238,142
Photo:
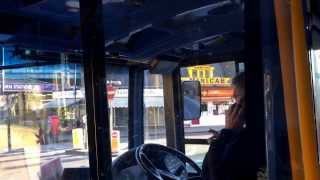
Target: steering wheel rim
146,164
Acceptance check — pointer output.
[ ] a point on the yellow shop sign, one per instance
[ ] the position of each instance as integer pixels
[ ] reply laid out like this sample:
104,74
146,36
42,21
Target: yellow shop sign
225,81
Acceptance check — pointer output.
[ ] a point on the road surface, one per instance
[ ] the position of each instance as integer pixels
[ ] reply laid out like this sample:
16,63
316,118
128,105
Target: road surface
25,163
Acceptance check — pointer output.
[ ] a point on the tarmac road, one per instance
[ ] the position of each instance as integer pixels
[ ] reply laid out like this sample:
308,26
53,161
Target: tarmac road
25,163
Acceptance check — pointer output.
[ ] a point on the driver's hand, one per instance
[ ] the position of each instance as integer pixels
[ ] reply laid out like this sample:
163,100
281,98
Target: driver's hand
233,116
215,135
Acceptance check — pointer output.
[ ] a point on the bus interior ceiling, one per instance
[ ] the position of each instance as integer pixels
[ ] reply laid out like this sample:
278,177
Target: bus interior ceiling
134,33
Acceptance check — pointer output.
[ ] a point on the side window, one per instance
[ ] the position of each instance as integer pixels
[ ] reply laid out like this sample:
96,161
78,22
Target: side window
43,122
314,54
42,119
216,97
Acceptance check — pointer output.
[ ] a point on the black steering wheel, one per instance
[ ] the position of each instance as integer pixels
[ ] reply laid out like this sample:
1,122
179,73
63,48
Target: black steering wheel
161,162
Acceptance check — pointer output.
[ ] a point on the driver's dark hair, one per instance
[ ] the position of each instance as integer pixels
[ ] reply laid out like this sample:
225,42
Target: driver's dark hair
239,80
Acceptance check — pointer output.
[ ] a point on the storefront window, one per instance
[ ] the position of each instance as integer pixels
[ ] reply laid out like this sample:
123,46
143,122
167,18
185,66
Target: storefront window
201,74
194,73
207,74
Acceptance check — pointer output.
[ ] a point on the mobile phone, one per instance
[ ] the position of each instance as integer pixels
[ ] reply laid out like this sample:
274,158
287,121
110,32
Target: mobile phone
214,132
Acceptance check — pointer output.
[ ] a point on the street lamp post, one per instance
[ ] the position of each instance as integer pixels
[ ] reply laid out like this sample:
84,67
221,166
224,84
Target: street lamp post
9,124
7,100
9,133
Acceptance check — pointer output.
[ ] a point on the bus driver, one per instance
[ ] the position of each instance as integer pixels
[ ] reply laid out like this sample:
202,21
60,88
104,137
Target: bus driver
231,156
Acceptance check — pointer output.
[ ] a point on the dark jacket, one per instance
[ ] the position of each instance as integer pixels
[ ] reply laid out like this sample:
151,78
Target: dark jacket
235,155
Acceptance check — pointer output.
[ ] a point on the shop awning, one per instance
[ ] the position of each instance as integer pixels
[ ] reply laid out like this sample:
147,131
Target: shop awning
154,101
216,99
122,102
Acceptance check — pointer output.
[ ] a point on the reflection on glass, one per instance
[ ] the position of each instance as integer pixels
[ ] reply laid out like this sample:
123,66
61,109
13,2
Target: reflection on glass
42,121
315,66
15,55
154,123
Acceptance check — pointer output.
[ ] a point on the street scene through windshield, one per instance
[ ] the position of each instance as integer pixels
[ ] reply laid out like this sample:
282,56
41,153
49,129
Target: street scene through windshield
43,114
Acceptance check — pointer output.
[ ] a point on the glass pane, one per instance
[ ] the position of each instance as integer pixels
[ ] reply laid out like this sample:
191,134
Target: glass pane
241,67
154,123
315,64
117,85
42,121
314,54
15,56
217,96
